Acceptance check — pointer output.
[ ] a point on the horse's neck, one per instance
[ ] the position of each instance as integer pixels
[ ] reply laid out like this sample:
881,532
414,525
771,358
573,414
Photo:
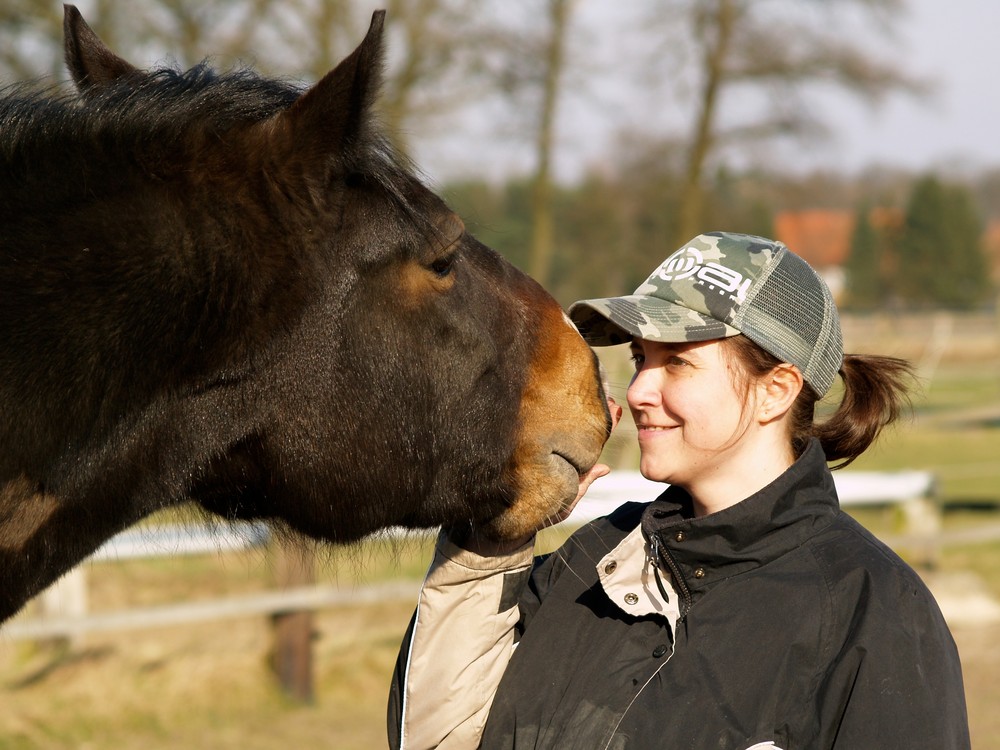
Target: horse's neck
42,537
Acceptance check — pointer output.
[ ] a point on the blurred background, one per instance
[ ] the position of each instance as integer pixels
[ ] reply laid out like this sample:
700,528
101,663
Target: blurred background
585,140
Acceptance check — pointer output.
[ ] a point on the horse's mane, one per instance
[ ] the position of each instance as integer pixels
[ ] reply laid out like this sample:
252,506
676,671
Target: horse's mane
166,102
46,130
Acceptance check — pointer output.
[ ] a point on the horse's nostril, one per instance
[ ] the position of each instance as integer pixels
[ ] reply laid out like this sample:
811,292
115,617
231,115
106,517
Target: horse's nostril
571,461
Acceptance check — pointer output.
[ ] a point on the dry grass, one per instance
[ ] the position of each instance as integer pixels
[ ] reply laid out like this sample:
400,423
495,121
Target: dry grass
203,686
210,685
206,685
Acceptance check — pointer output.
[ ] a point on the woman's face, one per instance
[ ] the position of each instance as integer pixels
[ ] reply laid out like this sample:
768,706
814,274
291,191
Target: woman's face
693,427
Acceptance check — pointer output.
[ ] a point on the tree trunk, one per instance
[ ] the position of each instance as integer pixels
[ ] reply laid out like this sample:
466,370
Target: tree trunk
542,232
716,37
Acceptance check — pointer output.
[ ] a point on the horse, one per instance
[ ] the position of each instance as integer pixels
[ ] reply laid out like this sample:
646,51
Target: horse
228,290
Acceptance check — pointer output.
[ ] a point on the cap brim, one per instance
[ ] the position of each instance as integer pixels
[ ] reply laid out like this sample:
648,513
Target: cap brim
617,320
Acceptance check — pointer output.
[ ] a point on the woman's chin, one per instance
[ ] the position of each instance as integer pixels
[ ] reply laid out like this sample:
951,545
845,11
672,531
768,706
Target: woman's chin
654,471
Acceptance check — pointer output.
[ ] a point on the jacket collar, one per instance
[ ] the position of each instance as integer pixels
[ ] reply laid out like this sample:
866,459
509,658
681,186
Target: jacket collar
747,535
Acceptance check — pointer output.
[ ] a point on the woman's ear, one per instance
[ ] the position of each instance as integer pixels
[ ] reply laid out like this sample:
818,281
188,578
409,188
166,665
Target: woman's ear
778,391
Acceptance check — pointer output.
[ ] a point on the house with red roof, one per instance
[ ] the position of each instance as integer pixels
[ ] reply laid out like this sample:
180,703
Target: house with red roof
822,238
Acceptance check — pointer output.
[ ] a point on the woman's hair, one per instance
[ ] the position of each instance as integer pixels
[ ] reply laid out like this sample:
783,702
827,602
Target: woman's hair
875,394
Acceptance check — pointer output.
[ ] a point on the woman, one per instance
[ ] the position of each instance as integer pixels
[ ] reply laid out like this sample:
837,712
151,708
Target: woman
742,608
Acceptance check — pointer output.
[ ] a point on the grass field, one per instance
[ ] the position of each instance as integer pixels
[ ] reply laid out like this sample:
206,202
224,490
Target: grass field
210,686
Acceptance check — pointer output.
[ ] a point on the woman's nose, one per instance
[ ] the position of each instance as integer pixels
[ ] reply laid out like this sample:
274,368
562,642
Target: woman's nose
644,390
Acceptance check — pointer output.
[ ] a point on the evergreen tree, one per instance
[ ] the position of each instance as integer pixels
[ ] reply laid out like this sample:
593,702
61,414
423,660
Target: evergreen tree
941,262
865,289
971,276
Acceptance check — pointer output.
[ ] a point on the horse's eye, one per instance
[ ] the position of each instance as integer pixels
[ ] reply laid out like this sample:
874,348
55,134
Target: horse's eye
443,266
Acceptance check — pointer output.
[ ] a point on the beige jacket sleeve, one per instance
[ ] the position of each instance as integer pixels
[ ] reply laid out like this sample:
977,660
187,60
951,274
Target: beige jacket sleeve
461,641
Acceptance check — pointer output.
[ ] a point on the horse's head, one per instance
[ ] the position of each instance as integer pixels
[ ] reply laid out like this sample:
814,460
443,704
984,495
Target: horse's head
230,289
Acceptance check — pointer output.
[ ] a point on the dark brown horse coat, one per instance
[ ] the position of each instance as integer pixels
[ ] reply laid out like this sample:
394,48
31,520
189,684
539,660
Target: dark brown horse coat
223,288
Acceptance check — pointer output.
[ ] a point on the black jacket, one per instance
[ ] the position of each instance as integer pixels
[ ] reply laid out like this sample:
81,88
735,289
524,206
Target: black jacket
797,628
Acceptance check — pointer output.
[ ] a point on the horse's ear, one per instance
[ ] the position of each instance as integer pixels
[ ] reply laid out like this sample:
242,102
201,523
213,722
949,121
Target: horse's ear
89,60
336,108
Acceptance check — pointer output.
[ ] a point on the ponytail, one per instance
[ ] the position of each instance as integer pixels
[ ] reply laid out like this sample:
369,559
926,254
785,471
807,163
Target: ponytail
876,392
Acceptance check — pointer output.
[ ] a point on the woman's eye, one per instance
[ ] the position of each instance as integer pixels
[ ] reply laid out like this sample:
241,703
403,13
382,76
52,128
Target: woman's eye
637,359
677,361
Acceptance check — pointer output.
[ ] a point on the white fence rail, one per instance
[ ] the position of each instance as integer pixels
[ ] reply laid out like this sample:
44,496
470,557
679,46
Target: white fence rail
183,539
855,489
268,603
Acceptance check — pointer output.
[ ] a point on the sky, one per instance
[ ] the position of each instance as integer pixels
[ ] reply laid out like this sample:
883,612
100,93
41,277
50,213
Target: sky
956,45
953,44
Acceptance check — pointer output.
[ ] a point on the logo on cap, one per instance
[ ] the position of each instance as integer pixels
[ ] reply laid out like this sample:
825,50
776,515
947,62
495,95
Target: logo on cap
681,264
689,261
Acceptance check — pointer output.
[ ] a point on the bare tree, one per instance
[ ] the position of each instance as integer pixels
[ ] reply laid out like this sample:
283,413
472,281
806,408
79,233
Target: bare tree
775,49
27,28
432,62
523,56
152,30
432,73
433,50
542,223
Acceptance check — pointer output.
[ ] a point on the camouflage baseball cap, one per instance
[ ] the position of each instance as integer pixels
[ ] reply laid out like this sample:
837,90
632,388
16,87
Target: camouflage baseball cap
722,284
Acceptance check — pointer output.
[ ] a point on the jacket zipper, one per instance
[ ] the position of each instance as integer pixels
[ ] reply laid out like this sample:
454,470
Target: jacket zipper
661,553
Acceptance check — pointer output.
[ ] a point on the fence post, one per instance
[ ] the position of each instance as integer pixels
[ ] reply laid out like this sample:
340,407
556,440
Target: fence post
66,598
292,654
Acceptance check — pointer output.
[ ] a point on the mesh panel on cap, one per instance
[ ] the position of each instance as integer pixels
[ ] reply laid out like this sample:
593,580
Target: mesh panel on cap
787,317
793,295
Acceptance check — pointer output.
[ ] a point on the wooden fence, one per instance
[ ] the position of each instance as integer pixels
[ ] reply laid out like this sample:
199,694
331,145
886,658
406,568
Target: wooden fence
66,616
